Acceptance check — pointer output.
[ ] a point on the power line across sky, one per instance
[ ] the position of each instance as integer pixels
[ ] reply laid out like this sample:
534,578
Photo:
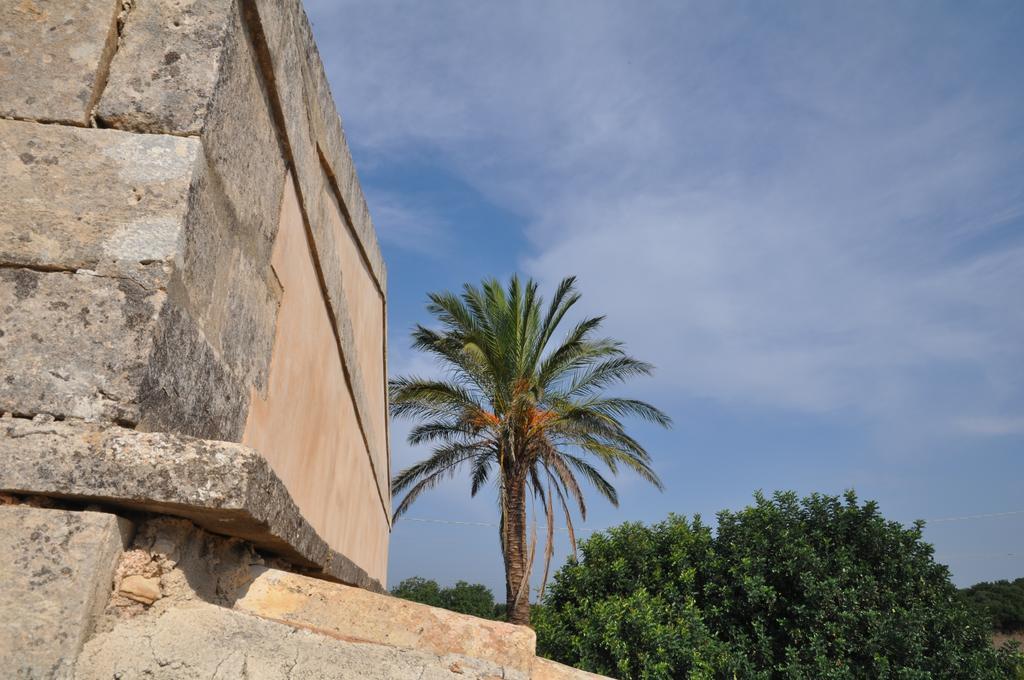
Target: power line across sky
936,520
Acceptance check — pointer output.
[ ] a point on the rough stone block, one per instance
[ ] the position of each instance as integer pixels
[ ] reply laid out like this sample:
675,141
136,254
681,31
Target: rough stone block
545,669
199,640
186,387
54,56
103,200
232,290
163,77
382,619
177,226
225,488
187,67
56,570
74,345
200,76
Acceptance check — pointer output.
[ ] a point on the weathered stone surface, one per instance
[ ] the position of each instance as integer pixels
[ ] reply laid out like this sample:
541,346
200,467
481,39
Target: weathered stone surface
200,76
186,388
104,200
362,332
314,127
355,614
545,669
225,488
248,101
56,569
231,289
199,640
187,562
243,143
172,561
74,344
165,71
54,56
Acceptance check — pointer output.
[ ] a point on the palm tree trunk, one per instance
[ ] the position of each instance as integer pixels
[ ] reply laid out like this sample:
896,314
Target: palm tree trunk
517,586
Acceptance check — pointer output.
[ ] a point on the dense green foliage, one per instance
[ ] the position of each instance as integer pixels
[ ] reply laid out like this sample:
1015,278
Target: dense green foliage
1001,601
466,598
820,587
521,406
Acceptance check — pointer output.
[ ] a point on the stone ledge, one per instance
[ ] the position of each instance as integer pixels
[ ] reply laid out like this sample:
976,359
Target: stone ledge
200,640
225,488
355,615
545,669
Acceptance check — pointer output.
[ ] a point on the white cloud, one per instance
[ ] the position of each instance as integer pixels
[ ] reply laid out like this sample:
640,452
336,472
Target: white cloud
805,210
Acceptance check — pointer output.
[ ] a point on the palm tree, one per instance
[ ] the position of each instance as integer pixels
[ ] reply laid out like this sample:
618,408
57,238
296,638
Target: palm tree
515,405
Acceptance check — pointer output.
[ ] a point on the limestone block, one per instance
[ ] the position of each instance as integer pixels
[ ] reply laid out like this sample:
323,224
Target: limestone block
91,199
200,76
355,614
225,488
244,146
226,270
187,67
362,328
186,387
165,71
200,640
545,669
56,569
74,345
54,56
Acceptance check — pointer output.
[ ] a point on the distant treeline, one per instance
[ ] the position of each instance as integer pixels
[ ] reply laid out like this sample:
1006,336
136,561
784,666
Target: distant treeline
475,599
1001,601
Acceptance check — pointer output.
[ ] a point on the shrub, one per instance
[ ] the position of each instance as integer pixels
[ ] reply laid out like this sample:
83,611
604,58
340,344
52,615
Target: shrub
820,587
629,608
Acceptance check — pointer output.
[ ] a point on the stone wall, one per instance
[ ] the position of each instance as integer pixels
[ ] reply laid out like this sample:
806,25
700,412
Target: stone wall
193,417
185,251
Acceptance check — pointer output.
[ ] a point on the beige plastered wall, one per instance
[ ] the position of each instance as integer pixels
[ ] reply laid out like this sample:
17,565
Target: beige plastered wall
365,303
305,422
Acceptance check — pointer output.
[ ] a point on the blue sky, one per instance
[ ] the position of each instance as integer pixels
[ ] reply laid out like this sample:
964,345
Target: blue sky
809,216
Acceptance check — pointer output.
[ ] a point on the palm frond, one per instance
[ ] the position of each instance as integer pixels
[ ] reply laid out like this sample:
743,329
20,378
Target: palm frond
518,408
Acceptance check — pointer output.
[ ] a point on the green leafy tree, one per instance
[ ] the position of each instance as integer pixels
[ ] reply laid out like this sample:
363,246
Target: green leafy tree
826,587
522,409
819,587
469,598
1001,601
474,599
419,589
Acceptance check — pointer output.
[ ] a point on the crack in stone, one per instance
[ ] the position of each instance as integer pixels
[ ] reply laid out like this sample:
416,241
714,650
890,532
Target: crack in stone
42,268
64,269
101,125
110,51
